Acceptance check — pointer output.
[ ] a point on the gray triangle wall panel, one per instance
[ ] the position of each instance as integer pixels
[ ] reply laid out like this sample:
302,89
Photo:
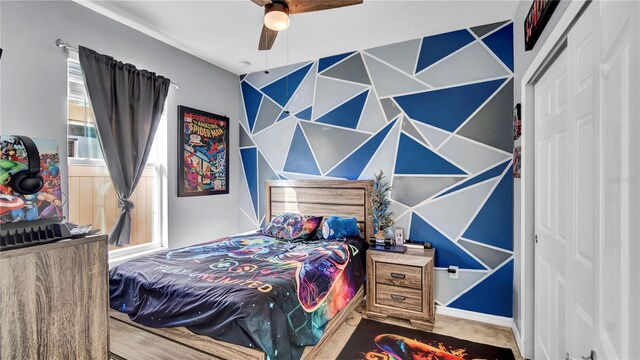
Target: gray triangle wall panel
413,190
391,110
351,69
408,127
245,139
490,257
402,55
482,30
493,124
269,112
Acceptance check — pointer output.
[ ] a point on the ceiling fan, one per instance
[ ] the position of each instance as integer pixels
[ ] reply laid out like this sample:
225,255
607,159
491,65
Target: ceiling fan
276,15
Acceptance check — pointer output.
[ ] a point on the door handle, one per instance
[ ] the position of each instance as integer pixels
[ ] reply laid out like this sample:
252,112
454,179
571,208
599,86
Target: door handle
398,297
397,276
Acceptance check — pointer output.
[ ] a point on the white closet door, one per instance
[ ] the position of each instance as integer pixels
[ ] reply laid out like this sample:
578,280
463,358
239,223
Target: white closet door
587,188
551,203
617,255
582,43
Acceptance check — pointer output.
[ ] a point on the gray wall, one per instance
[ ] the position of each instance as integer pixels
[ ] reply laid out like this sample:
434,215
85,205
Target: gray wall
33,88
523,60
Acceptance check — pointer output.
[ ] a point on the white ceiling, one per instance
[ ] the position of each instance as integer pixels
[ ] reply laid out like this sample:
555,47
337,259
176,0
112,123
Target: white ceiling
225,33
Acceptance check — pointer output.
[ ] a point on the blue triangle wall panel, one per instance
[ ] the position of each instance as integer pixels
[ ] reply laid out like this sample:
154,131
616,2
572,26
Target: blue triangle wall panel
491,173
328,61
447,108
447,253
494,295
501,43
494,223
347,114
283,115
305,114
251,98
250,166
438,46
352,167
300,158
414,158
281,90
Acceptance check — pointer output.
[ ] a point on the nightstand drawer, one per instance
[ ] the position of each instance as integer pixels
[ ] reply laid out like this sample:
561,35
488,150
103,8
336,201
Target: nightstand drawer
399,275
399,297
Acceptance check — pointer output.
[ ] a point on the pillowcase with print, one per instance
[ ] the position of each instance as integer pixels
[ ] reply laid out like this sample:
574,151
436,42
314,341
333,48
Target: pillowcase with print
292,226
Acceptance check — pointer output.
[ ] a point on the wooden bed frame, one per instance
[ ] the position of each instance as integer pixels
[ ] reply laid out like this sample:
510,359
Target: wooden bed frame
346,198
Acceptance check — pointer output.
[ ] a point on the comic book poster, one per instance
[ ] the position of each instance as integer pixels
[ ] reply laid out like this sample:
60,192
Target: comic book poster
202,153
517,162
45,204
517,122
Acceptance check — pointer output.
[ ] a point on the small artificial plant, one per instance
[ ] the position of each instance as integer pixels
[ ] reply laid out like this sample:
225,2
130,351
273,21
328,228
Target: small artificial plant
379,213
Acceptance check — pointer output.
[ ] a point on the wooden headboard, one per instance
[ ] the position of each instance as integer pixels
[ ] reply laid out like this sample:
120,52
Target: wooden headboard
345,198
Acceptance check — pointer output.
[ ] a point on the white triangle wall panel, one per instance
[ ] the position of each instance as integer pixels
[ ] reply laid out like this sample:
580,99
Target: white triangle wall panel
389,81
470,155
471,64
372,118
384,157
330,93
303,97
435,136
452,213
274,142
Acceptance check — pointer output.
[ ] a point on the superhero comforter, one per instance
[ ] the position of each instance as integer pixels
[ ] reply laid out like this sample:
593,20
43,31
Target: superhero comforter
255,291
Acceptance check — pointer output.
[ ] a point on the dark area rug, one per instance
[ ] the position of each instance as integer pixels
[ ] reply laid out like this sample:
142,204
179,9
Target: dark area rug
379,341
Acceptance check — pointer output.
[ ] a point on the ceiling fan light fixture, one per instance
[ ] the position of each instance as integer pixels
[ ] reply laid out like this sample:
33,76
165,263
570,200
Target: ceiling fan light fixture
276,16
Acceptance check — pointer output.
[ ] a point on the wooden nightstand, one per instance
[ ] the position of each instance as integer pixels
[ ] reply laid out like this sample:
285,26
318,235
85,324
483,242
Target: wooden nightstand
401,285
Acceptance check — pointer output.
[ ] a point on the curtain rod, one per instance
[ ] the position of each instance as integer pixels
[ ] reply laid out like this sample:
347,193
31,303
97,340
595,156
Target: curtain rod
63,45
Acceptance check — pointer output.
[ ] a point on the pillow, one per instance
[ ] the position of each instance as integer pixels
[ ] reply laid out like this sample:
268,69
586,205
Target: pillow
337,227
292,226
317,235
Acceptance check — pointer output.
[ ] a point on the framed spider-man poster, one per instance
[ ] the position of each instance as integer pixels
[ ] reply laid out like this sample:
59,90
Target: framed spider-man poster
203,154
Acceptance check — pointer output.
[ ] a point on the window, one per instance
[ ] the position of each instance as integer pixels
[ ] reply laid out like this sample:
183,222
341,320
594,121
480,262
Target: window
92,198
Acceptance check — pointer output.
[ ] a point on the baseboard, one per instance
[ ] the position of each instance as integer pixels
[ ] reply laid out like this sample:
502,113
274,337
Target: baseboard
475,316
516,335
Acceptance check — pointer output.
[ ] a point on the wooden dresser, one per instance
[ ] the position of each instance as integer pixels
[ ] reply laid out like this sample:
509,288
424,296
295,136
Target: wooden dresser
401,285
54,300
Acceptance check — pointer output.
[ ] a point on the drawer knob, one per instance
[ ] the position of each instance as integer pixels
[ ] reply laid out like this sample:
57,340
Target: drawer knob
397,276
398,297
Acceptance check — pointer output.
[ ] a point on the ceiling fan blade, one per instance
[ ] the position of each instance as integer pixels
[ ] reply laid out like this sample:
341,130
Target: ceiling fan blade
267,37
303,6
261,2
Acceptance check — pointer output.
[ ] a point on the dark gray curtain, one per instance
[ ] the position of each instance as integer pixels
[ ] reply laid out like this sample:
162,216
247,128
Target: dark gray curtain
127,105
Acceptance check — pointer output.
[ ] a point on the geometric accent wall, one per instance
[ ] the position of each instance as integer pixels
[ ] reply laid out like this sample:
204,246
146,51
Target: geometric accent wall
434,114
